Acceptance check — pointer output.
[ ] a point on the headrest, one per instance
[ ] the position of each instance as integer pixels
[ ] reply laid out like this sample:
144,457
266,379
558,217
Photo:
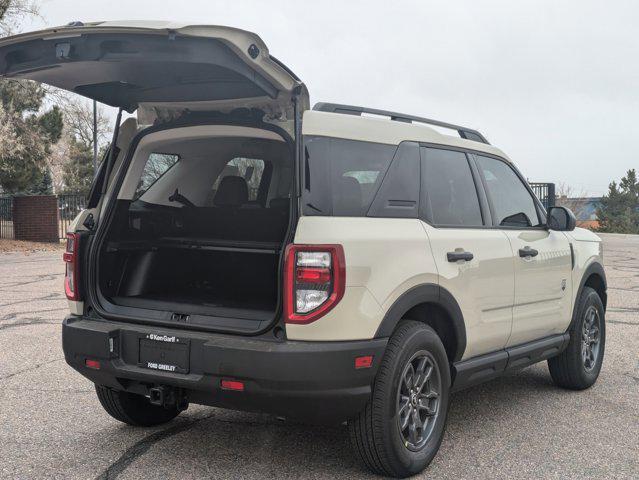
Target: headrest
128,130
232,192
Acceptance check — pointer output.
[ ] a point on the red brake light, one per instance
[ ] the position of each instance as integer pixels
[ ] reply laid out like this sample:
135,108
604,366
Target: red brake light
315,277
72,274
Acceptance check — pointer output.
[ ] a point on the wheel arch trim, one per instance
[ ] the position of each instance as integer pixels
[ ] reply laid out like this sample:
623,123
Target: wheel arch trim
595,268
426,294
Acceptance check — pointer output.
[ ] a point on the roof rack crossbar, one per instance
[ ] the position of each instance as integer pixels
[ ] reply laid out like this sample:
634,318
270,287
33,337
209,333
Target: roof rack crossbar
467,133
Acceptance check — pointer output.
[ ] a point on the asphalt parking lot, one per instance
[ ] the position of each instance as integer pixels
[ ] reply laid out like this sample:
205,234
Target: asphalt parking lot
520,426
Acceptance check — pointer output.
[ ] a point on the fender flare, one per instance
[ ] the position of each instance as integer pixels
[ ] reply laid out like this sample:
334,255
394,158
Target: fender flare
594,267
426,293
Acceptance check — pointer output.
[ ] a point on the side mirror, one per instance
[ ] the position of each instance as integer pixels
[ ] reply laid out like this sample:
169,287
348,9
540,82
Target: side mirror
561,219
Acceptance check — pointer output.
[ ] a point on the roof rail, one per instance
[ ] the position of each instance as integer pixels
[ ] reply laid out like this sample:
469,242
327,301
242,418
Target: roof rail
467,133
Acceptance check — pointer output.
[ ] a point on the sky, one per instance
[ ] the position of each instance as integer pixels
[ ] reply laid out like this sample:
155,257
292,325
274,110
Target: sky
554,84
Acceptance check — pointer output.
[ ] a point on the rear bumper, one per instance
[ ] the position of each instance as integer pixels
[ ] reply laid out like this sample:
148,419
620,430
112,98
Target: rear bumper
312,381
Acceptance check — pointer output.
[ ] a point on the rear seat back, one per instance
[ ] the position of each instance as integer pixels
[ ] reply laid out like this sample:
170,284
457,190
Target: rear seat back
239,223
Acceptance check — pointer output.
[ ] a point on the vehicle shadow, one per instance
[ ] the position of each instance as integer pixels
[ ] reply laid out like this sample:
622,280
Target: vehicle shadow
217,443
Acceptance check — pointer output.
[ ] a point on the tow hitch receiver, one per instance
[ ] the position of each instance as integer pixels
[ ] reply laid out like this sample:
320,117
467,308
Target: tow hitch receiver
168,397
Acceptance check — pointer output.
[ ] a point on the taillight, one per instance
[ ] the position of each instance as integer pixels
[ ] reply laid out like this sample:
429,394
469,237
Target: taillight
315,277
72,276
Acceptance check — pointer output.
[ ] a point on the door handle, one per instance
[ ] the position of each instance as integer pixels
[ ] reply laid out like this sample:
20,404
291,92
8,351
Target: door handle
528,252
455,256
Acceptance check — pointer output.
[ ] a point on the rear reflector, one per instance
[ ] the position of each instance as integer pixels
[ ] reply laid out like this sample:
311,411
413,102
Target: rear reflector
232,385
364,362
94,364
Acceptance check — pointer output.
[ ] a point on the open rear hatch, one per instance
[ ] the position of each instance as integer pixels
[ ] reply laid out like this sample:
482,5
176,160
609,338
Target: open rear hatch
154,64
164,70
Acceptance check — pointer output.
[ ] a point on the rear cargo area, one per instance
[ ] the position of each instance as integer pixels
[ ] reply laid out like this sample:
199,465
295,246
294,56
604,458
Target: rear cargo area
198,228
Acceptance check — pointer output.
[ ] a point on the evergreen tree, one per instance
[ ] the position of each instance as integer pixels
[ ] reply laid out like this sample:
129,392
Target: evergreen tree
30,132
78,170
619,209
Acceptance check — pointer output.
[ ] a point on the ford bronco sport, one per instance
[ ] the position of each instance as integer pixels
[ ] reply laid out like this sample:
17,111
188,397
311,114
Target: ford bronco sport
242,250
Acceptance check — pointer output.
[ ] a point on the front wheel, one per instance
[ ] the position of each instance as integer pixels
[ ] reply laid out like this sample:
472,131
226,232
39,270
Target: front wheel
578,367
400,430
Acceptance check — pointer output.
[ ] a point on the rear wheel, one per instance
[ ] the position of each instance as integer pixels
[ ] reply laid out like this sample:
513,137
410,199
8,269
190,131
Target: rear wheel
579,365
133,409
401,428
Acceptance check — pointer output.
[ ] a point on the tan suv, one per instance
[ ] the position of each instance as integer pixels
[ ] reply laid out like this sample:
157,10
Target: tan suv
336,264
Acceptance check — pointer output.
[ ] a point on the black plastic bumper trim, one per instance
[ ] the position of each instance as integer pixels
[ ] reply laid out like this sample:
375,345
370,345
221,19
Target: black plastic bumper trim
312,381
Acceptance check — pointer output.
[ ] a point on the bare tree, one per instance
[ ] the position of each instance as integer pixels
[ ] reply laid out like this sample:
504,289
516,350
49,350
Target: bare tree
13,12
59,156
78,119
569,198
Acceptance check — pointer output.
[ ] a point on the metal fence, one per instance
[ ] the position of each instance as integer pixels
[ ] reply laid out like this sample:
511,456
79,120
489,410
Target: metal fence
545,192
6,217
69,205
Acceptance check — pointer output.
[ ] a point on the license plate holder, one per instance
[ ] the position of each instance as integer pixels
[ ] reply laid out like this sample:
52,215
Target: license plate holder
164,353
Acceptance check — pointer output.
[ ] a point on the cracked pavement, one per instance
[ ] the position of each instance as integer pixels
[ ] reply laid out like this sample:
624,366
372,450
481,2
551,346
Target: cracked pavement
519,426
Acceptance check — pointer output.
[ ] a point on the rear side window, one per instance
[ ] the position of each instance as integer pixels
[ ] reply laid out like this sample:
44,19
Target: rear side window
513,204
156,166
450,190
341,177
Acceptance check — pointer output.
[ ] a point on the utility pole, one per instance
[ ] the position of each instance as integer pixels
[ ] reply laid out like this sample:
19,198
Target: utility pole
95,137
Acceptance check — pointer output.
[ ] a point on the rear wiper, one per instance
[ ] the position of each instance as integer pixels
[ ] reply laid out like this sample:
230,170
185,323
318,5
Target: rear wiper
178,197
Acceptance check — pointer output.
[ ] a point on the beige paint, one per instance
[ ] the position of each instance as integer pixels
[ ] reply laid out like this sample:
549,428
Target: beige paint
381,130
384,258
543,286
588,250
483,287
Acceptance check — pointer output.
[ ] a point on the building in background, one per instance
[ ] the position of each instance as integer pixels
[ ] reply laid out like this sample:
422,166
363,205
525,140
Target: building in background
584,208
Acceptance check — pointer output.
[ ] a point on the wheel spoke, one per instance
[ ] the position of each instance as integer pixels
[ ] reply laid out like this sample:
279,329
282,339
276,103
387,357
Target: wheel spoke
424,377
404,405
408,378
431,410
594,334
412,431
405,420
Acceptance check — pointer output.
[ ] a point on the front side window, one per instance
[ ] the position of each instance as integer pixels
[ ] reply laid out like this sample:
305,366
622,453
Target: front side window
513,204
450,189
341,176
156,166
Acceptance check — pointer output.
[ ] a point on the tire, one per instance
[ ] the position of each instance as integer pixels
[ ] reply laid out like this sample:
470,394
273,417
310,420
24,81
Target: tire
376,434
132,409
574,368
